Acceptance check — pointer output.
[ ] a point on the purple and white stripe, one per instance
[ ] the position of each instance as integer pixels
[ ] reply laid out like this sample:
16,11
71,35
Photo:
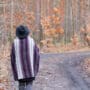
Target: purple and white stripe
24,50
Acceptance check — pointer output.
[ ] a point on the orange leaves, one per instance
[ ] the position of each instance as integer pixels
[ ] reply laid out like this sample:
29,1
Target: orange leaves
45,22
60,30
51,24
47,33
57,16
54,32
56,10
18,15
50,33
55,19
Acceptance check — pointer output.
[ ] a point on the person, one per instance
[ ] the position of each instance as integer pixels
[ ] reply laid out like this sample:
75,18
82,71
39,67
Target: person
25,58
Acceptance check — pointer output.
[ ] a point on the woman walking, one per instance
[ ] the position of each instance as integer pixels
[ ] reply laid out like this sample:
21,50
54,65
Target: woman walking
24,58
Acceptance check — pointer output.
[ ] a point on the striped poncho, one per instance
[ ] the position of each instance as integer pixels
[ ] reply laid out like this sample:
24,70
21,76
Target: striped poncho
24,58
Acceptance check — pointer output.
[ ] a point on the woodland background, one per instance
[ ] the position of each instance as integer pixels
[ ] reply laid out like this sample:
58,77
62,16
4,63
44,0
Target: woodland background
56,25
53,23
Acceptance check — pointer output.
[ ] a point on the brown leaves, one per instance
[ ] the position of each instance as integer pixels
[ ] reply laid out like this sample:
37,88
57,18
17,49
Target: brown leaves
60,30
45,22
56,10
51,25
86,66
48,46
55,19
74,40
54,32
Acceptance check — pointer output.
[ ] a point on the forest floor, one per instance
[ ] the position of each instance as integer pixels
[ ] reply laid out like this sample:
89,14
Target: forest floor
65,71
65,48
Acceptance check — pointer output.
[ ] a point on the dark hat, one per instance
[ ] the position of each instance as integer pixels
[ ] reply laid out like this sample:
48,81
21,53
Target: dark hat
22,31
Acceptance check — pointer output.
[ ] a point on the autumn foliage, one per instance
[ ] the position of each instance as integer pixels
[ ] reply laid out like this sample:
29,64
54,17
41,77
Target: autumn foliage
52,28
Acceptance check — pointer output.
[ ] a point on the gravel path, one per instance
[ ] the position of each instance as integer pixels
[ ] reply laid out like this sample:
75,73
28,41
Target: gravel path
61,72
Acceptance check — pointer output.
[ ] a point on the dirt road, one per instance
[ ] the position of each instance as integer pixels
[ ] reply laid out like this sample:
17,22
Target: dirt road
62,72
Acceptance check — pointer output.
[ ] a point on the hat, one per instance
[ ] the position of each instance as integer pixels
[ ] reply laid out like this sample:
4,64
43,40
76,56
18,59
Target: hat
22,31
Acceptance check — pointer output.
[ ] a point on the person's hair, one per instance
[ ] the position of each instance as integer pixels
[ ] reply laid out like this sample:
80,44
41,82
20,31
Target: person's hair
22,31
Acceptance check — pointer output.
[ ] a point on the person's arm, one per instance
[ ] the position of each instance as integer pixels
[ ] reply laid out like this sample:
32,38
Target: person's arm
13,64
36,59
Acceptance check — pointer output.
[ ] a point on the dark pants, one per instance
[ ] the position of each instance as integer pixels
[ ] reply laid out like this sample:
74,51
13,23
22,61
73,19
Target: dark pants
25,85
